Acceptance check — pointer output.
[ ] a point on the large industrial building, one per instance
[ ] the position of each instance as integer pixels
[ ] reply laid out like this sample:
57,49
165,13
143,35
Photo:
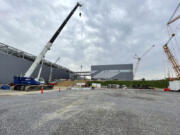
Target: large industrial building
112,72
14,62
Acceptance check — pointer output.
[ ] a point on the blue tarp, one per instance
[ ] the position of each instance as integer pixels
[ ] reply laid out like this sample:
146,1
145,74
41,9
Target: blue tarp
5,87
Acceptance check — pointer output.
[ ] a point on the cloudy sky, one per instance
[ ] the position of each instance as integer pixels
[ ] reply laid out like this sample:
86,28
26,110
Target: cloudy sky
109,31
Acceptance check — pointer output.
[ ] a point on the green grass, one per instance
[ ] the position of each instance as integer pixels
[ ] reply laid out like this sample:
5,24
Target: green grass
151,83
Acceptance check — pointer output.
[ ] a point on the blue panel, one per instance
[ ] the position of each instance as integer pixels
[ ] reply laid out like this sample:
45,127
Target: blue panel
25,81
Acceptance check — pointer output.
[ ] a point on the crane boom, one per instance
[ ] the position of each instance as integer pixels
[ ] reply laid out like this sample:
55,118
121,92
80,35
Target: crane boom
49,44
171,20
147,51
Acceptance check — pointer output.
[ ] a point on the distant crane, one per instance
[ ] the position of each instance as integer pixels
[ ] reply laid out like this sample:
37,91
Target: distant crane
171,58
139,59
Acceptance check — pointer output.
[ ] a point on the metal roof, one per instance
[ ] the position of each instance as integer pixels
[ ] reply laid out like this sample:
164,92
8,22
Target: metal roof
19,53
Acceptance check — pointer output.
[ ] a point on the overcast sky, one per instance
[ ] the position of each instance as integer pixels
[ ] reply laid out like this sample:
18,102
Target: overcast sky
109,31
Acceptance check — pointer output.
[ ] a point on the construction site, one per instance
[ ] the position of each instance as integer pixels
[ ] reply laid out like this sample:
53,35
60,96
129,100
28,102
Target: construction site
89,78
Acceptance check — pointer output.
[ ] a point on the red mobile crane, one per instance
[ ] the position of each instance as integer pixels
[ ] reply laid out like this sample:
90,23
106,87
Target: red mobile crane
171,58
173,85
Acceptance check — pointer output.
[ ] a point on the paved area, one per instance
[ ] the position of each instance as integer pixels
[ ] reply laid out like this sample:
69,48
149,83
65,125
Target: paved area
91,112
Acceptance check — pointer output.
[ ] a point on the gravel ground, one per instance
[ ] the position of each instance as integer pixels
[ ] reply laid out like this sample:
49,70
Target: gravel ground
91,112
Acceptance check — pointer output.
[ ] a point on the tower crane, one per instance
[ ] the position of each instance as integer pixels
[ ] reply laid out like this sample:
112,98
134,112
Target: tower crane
22,82
171,58
139,58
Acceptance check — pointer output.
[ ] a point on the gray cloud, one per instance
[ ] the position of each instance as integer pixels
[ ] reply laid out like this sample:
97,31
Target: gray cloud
109,32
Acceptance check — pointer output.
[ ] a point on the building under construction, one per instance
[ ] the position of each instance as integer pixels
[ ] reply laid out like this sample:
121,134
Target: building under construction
15,62
112,72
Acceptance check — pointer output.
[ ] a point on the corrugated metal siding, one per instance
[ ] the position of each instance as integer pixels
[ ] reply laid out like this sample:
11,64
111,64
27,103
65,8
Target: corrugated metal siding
11,65
124,71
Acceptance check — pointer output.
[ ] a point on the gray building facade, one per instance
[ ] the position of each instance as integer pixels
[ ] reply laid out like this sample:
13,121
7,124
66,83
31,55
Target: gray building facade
112,72
14,62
